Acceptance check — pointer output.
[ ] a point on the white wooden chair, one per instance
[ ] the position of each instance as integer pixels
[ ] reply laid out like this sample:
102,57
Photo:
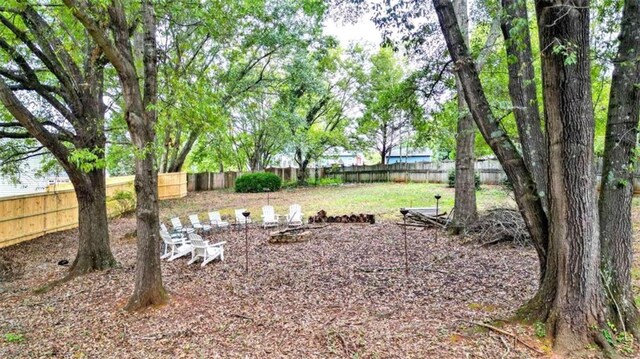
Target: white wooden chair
202,249
174,247
216,220
173,234
178,227
240,219
269,217
197,226
294,218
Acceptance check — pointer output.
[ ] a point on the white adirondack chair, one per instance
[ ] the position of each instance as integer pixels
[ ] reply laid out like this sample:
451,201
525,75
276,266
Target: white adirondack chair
195,223
269,217
175,247
294,218
163,227
240,218
202,249
216,220
178,227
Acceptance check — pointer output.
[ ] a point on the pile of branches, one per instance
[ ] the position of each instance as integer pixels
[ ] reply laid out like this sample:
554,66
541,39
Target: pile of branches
500,225
10,269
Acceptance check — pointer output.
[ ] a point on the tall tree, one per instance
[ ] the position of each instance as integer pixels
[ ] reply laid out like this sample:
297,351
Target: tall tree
215,55
574,248
390,103
571,298
320,86
140,103
522,90
617,174
67,116
258,133
465,209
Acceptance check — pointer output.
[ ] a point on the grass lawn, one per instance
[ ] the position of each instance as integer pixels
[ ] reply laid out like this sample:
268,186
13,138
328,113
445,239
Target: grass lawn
382,199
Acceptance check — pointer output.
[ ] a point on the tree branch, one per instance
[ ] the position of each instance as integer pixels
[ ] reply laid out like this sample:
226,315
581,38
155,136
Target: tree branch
33,126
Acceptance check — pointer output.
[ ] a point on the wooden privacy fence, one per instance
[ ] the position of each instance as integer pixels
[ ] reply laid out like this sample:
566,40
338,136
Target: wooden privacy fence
29,216
206,181
489,171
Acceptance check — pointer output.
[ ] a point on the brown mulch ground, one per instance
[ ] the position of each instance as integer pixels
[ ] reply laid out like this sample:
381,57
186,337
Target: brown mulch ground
343,293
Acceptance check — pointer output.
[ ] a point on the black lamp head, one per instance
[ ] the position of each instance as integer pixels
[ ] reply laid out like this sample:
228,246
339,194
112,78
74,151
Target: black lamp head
438,196
404,211
246,213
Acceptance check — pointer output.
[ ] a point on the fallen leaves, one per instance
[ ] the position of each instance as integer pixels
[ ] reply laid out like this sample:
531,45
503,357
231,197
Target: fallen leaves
343,293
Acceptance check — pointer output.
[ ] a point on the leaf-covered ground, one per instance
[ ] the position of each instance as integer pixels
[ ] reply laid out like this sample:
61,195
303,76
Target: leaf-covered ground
342,294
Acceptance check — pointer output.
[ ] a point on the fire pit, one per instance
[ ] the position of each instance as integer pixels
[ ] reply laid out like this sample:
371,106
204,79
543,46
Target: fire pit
291,235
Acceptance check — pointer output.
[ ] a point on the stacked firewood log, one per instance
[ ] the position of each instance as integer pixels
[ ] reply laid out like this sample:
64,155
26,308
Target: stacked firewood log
321,217
427,220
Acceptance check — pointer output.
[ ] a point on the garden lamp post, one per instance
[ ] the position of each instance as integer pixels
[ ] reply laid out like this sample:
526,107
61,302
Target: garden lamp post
267,190
246,241
437,197
404,212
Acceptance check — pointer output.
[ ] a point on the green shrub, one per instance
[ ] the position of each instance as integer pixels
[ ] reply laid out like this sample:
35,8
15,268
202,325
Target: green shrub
290,184
330,181
257,182
452,179
125,201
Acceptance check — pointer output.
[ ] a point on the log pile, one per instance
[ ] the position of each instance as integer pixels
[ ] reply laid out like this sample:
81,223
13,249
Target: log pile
418,219
321,217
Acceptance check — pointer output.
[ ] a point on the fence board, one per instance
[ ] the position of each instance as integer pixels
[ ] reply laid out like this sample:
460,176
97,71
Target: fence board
29,216
490,172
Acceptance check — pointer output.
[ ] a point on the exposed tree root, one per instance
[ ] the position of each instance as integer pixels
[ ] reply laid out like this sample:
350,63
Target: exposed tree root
504,332
139,302
75,271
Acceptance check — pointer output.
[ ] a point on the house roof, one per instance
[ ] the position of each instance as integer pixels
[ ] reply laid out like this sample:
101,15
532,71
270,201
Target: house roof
411,152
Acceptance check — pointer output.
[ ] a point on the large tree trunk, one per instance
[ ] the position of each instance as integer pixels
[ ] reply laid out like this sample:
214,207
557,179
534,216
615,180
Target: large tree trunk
465,197
141,118
524,187
574,247
148,285
616,232
79,101
522,90
94,252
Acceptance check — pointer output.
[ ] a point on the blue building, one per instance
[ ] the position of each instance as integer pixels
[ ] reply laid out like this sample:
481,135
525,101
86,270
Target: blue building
410,155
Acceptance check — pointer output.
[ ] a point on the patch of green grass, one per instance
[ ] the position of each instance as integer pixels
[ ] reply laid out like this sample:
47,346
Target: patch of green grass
382,199
13,337
540,329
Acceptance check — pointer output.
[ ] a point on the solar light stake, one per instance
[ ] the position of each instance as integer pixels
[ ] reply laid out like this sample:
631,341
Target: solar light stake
267,190
246,241
437,197
404,212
